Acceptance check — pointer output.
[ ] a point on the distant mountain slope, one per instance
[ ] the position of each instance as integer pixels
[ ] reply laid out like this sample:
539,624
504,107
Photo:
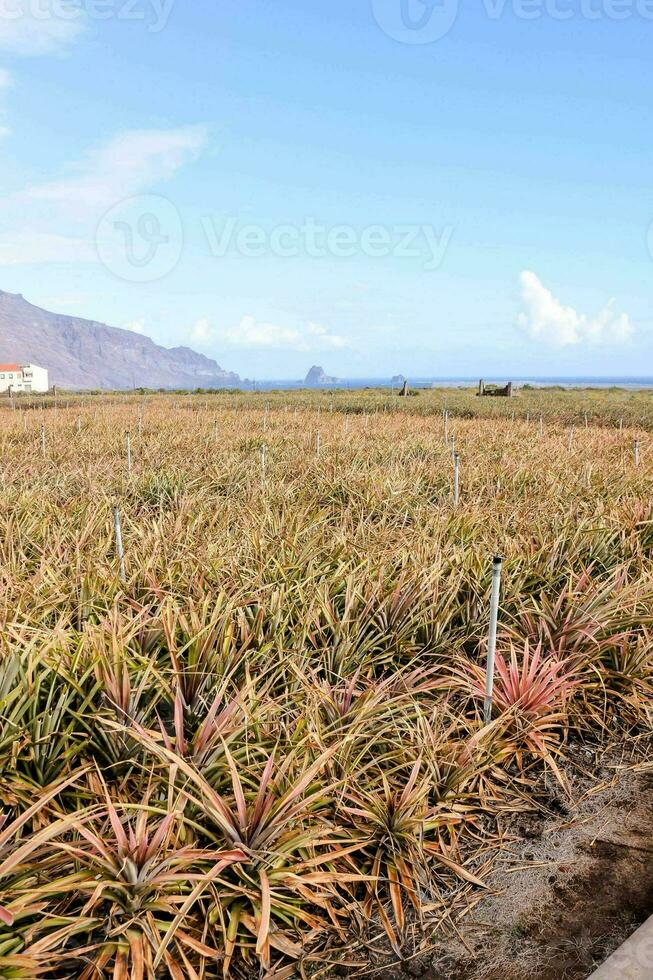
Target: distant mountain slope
86,354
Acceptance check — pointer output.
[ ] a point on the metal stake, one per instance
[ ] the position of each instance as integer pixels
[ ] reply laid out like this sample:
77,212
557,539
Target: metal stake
119,551
492,637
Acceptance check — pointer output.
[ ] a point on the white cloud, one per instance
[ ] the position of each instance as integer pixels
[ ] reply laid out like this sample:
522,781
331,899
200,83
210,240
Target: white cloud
127,165
36,27
546,319
27,28
321,336
37,248
58,221
201,333
254,333
137,326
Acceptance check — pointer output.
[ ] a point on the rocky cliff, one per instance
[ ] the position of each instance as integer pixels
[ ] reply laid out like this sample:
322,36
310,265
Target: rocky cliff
87,354
317,376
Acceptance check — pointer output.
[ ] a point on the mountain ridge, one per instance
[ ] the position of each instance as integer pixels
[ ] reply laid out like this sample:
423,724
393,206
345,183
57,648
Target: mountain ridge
80,353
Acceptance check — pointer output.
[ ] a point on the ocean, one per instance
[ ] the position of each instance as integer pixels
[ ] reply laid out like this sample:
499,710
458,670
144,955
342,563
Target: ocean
543,382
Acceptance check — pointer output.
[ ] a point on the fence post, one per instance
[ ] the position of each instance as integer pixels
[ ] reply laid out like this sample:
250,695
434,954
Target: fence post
456,479
492,637
636,451
43,439
446,426
317,445
119,551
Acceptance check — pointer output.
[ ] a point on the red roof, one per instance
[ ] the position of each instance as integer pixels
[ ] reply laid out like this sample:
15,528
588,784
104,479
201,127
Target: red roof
10,367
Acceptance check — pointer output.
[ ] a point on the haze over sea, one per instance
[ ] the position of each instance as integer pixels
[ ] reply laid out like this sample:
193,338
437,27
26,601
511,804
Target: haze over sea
429,382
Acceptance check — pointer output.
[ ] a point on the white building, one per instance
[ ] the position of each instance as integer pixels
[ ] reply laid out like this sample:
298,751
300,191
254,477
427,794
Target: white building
23,377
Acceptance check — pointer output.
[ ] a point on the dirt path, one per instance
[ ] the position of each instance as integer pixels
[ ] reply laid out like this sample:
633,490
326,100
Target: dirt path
567,890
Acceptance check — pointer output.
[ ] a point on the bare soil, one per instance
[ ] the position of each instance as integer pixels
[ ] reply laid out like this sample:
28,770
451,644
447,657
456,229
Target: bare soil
569,886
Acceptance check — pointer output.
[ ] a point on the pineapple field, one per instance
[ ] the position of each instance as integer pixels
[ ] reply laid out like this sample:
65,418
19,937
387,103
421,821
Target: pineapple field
244,718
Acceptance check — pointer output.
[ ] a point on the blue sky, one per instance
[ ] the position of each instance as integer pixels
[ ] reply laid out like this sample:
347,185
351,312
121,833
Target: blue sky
377,186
